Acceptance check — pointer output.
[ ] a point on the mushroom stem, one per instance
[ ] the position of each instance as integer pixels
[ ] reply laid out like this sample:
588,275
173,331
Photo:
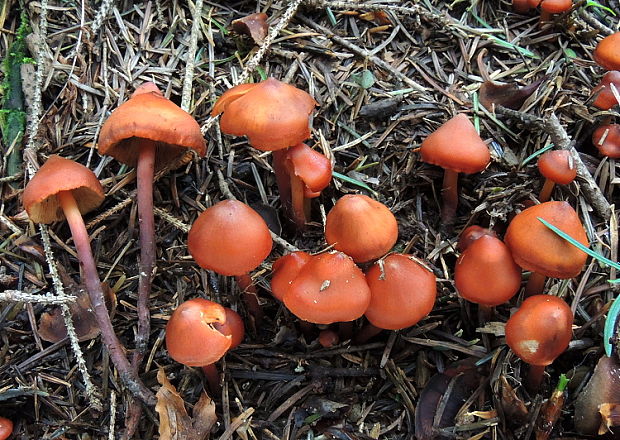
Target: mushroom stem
535,285
145,173
213,378
450,196
282,178
250,296
95,292
534,378
298,202
545,192
367,332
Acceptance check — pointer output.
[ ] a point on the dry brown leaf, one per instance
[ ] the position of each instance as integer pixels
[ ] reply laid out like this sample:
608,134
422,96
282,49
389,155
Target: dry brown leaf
254,25
174,422
508,95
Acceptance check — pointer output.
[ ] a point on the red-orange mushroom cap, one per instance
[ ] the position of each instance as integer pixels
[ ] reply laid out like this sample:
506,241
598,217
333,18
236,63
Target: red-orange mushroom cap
540,330
272,114
229,238
402,292
59,174
233,326
285,270
361,227
556,6
607,52
151,116
6,428
471,234
312,167
605,98
607,139
486,274
329,288
191,336
557,166
536,248
457,146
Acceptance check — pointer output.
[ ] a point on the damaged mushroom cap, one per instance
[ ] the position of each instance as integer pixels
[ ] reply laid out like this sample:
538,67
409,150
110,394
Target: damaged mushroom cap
471,234
607,139
312,167
149,115
191,336
537,248
329,288
59,174
557,166
605,98
233,326
285,270
607,52
540,330
272,114
402,292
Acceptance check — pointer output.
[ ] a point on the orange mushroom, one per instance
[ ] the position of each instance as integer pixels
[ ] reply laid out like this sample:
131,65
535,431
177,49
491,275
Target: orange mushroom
329,288
607,52
361,227
557,167
536,248
284,271
550,7
539,332
607,139
402,292
147,132
231,238
274,116
6,428
471,234
64,189
457,147
605,98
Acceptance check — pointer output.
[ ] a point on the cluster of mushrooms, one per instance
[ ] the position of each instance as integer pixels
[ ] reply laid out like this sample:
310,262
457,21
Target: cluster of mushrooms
357,276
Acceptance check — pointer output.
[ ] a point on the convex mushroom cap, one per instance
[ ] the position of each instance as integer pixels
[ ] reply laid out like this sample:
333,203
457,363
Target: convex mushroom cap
607,139
402,292
272,114
149,115
607,52
59,174
605,98
361,227
285,270
557,166
556,6
229,238
537,248
457,146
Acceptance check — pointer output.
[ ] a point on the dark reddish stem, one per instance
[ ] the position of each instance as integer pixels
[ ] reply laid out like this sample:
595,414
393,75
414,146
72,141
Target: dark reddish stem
282,177
95,292
367,332
213,378
535,285
545,192
450,197
250,296
534,378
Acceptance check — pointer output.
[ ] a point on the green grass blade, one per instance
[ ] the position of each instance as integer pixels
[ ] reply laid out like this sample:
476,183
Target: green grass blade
352,181
610,325
536,154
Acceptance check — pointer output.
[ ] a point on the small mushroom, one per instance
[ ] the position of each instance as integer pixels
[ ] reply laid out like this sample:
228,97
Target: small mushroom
605,98
361,227
607,139
457,147
328,338
539,332
536,248
6,428
284,270
550,7
607,52
557,167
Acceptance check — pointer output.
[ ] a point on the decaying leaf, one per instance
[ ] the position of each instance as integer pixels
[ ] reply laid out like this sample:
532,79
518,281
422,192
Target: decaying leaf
174,422
507,95
610,418
513,406
52,325
254,25
380,17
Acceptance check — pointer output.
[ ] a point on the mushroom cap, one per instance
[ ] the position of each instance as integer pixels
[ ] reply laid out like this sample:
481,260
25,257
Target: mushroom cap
557,166
361,227
607,52
229,238
312,167
605,98
59,174
486,274
329,288
610,146
191,336
471,234
456,146
540,330
556,6
272,114
6,428
328,338
285,270
537,248
149,115
233,327
402,292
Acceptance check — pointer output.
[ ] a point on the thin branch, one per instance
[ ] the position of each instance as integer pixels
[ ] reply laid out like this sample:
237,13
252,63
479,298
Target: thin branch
25,297
186,96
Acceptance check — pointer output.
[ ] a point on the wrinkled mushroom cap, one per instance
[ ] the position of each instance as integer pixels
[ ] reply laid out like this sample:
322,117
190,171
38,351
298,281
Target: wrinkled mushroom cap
361,227
312,167
285,270
605,98
191,336
149,115
456,146
273,115
402,292
537,248
486,274
329,288
607,52
557,166
540,330
59,174
229,238
607,139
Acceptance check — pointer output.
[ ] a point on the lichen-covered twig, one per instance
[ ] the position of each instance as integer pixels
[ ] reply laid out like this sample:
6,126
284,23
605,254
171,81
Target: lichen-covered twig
25,297
186,96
